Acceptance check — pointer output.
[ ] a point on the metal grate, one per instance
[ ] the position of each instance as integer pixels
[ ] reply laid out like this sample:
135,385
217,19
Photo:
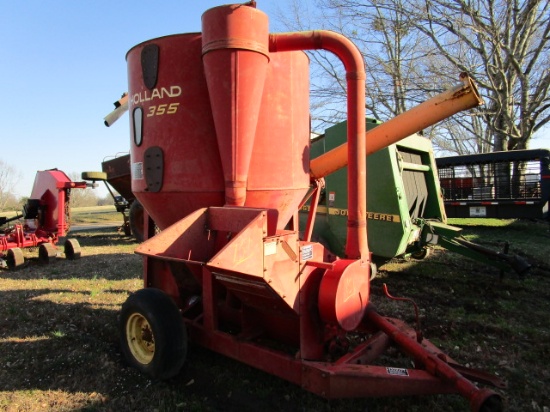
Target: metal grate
511,180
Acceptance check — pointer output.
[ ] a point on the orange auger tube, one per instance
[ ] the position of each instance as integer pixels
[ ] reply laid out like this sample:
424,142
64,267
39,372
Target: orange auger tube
446,104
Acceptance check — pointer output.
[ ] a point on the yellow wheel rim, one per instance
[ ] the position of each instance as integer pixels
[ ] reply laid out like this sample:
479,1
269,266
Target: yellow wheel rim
140,338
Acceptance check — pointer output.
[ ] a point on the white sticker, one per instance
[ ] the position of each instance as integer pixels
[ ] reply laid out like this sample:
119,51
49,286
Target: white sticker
331,198
270,248
478,211
397,371
137,170
307,252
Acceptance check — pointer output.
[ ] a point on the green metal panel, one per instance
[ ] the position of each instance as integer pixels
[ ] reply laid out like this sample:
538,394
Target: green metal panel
405,210
390,229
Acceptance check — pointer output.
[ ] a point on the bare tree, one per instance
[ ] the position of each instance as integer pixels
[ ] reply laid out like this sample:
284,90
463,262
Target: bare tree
9,178
391,48
505,46
82,197
415,49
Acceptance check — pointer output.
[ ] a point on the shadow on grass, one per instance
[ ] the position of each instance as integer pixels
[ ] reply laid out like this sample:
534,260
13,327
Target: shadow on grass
105,255
71,351
58,340
115,266
49,345
102,237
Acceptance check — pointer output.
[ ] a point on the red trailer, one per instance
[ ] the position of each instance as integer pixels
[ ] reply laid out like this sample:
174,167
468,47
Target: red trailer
220,144
47,219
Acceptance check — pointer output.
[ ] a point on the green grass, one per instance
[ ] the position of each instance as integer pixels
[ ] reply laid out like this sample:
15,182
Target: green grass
481,222
86,215
530,239
59,335
97,214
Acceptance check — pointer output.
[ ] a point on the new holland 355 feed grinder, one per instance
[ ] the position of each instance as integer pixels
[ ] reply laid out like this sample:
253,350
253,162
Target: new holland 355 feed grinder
220,143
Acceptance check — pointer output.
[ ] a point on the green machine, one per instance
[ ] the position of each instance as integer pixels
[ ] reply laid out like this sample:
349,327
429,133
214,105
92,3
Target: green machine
405,210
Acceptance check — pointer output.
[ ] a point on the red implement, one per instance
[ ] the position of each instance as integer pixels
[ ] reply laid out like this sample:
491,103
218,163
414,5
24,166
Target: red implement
220,161
47,218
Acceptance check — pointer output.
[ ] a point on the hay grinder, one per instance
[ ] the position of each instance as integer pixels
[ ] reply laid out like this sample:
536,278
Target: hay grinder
220,143
47,219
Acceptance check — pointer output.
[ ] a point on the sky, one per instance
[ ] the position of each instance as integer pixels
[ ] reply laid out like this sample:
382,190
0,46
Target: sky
62,65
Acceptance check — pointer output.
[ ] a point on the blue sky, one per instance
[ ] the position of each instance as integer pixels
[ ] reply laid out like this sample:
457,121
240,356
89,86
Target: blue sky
63,65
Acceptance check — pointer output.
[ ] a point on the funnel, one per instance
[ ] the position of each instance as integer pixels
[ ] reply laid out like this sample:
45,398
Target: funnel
235,59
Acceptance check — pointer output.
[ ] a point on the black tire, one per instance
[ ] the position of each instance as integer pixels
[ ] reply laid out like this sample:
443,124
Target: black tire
136,218
153,337
421,254
15,258
373,270
47,253
94,176
126,229
72,249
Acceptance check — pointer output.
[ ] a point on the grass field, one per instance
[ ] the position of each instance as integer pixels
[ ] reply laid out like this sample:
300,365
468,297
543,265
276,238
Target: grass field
59,346
95,215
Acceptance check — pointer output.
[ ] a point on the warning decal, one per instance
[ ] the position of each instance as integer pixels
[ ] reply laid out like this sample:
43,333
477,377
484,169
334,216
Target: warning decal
397,371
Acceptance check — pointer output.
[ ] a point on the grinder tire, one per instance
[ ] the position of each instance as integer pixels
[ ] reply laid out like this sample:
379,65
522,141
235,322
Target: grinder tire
136,216
153,337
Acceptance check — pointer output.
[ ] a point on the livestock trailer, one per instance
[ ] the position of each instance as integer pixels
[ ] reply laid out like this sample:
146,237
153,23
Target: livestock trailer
511,184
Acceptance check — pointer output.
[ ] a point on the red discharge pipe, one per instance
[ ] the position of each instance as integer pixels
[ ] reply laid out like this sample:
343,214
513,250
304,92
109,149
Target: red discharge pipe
347,52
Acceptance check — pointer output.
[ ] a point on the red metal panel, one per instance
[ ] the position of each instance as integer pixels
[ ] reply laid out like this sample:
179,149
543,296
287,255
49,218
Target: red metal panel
45,189
281,259
279,168
235,57
344,294
244,252
351,381
187,239
177,117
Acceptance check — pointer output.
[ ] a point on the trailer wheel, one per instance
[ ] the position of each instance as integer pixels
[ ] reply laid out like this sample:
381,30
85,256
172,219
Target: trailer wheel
46,251
94,176
152,333
373,270
72,249
136,216
15,258
421,254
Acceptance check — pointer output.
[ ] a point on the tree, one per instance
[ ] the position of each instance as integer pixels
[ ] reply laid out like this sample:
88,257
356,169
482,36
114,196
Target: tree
390,48
505,46
82,197
9,178
415,49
